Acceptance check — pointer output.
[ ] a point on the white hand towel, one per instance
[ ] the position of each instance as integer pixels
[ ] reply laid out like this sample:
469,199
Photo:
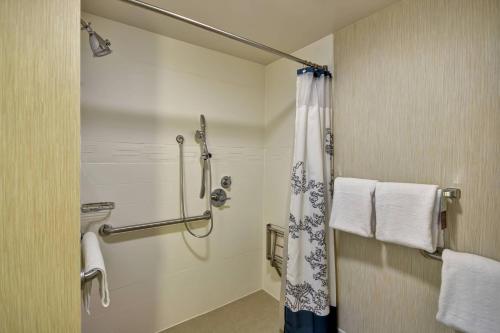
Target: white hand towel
352,208
407,214
469,300
92,259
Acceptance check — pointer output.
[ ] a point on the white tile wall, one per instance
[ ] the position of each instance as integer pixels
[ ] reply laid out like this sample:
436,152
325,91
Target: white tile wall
134,103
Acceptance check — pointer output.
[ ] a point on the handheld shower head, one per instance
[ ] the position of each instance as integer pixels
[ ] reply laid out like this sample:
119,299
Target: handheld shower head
200,134
98,45
203,124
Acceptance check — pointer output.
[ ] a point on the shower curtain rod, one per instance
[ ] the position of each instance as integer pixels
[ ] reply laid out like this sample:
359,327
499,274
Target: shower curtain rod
223,33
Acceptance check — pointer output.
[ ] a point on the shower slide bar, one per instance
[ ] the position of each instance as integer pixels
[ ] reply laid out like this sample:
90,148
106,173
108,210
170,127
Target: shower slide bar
221,32
106,229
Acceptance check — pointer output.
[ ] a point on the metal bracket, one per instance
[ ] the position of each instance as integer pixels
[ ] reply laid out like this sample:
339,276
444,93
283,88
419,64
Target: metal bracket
451,193
446,193
87,276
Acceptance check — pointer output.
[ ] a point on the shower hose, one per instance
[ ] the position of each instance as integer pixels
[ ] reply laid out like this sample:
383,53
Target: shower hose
181,185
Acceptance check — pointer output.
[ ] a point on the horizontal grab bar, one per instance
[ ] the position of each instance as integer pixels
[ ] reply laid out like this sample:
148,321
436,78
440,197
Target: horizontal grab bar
106,229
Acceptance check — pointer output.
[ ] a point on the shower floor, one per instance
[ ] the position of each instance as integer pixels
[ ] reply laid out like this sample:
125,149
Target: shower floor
256,313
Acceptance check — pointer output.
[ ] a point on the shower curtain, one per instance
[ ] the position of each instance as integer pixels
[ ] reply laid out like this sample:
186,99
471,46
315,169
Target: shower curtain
310,294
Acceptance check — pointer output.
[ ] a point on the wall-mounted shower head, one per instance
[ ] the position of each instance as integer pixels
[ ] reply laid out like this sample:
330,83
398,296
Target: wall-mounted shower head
98,45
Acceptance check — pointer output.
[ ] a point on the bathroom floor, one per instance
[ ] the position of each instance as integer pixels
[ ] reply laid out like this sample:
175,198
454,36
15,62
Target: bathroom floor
257,312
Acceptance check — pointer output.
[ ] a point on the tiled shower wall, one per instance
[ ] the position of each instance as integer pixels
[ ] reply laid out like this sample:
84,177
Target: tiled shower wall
134,103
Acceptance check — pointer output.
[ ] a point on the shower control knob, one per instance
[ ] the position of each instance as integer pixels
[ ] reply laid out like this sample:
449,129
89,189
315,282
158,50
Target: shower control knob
226,182
218,197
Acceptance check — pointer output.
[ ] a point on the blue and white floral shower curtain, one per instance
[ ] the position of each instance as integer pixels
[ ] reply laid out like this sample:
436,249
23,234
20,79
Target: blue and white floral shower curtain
310,294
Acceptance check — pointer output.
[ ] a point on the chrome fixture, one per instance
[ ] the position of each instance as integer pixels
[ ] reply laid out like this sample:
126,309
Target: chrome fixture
201,137
446,193
98,45
273,234
87,276
96,207
200,134
226,182
180,140
226,34
435,255
107,229
451,193
218,197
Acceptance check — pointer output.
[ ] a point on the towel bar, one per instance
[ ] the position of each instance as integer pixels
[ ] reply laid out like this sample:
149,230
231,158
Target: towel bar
446,193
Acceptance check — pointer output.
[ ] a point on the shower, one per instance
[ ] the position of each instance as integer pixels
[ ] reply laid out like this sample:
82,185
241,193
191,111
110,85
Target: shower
217,197
98,45
200,136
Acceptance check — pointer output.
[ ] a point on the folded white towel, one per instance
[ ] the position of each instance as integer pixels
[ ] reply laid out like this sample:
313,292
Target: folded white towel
469,300
352,208
92,259
408,214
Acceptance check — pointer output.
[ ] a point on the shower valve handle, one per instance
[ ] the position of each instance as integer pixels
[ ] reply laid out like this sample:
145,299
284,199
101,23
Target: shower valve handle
218,197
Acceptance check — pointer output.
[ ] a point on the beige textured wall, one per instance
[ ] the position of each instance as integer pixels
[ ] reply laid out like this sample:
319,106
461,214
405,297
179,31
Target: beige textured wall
417,100
39,166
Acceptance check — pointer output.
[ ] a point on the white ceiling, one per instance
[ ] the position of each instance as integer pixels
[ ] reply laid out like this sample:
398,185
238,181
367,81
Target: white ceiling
287,25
